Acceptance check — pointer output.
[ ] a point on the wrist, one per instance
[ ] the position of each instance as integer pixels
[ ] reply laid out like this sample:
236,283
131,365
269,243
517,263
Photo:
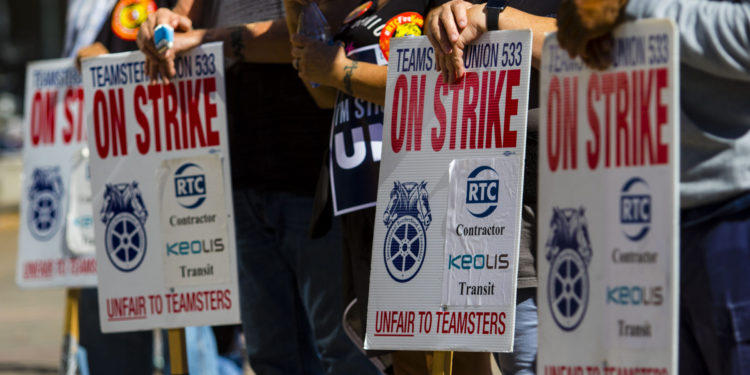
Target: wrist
340,73
482,19
493,9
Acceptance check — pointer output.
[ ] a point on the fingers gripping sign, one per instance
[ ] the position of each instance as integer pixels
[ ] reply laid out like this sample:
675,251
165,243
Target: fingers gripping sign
160,62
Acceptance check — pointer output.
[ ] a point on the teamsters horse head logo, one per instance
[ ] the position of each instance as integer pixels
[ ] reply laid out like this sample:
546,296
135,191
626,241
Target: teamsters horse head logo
569,251
124,214
407,217
45,198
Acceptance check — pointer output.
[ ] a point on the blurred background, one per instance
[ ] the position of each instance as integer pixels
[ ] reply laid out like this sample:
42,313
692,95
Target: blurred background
30,320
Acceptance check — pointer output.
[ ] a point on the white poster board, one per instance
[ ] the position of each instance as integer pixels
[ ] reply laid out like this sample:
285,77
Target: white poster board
447,230
608,207
161,189
54,137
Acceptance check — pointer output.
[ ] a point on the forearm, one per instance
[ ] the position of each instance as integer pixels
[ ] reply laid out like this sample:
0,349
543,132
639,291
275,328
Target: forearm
260,42
514,19
362,80
714,36
334,11
189,8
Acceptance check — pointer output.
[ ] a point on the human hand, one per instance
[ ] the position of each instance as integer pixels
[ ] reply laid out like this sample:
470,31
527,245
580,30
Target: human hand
93,50
585,27
450,28
162,63
317,61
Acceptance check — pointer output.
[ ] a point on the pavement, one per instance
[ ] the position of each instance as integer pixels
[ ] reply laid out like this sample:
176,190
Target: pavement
31,320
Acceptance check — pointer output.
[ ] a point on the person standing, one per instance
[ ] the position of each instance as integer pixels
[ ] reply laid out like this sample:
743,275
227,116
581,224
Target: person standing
714,334
290,285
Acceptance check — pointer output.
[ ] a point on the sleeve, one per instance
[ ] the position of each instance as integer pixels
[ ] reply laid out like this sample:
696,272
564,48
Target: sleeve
714,36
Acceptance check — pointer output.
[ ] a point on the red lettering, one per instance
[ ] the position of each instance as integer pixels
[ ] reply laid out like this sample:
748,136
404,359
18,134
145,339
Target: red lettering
68,131
493,114
608,88
471,99
196,128
554,126
456,89
117,118
593,146
400,96
511,108
154,93
143,140
662,151
171,125
621,128
209,87
101,124
439,132
645,128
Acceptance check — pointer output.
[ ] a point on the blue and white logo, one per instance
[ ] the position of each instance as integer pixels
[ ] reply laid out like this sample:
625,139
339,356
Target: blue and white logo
45,196
190,185
569,251
407,217
635,209
124,214
481,191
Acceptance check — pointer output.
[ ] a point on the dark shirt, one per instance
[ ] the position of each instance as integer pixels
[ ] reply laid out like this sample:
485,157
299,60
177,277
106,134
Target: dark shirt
119,36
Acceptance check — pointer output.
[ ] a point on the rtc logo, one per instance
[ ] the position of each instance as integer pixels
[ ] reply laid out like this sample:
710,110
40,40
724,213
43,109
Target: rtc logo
190,185
124,214
45,198
407,217
635,209
481,191
569,251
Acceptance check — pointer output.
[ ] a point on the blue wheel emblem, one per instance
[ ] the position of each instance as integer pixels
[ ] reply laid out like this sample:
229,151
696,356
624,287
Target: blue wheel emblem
124,214
404,248
126,241
45,196
407,217
569,251
568,287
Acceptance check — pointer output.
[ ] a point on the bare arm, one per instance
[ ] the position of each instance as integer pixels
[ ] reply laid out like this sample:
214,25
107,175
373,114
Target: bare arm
334,11
260,42
452,26
329,66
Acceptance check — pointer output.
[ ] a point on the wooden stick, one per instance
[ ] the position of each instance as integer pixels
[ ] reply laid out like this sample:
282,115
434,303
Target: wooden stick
177,351
442,363
69,363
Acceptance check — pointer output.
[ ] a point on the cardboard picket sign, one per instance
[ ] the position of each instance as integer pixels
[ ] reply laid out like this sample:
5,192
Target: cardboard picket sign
447,230
608,207
54,138
161,188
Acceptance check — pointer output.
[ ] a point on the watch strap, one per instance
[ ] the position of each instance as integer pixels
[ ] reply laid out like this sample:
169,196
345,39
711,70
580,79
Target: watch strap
493,10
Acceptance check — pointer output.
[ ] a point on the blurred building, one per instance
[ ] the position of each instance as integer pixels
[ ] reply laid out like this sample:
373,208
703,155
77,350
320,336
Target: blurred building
29,30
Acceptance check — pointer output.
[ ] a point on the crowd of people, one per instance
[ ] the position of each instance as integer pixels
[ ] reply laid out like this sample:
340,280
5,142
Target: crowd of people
302,260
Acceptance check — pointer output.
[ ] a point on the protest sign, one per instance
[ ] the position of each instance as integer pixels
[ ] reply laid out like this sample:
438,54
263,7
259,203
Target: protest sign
447,231
608,207
161,189
54,139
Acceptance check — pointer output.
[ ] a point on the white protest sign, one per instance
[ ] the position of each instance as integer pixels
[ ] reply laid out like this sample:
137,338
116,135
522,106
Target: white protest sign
608,207
54,136
447,231
161,192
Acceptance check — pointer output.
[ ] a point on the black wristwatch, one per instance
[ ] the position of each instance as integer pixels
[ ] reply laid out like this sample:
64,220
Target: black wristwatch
493,9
